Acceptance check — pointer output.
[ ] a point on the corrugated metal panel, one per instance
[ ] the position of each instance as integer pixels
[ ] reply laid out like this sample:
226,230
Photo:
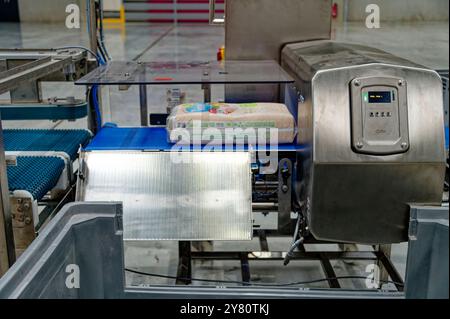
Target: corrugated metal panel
206,196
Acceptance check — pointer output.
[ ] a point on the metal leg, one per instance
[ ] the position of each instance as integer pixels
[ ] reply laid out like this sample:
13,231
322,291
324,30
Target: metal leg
245,268
301,248
348,247
284,195
184,263
92,18
206,93
329,271
386,251
143,104
263,240
386,264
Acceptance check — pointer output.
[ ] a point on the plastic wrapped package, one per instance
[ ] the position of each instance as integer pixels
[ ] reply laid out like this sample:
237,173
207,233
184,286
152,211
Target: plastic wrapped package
226,123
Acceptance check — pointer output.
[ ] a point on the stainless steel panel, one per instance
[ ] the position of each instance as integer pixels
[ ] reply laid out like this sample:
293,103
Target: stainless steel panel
173,196
258,29
355,197
365,203
308,58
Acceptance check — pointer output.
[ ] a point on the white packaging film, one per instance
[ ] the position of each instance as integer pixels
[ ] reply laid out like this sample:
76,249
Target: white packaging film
227,123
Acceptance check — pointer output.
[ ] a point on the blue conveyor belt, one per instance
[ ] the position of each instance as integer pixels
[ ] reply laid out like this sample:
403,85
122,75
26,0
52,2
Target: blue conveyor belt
446,137
155,139
67,141
35,174
144,138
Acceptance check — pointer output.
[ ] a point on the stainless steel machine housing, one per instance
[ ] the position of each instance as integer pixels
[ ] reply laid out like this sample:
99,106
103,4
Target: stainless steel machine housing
356,178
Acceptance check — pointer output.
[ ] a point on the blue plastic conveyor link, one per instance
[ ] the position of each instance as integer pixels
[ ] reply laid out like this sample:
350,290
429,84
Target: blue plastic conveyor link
152,139
41,140
43,112
35,174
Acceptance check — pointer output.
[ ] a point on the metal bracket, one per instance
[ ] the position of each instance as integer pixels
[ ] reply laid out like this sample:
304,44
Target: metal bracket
23,223
284,194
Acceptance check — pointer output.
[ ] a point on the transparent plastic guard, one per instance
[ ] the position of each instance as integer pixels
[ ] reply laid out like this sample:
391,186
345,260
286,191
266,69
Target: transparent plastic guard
155,73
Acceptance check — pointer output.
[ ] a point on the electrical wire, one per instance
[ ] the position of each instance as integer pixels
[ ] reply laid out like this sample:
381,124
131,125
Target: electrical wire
261,285
101,38
295,242
98,115
290,253
101,51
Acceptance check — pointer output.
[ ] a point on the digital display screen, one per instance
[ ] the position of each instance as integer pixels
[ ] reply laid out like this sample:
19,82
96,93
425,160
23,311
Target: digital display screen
380,97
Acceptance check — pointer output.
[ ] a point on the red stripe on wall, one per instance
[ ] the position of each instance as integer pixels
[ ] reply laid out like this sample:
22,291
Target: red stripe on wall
160,11
181,11
178,20
183,1
197,11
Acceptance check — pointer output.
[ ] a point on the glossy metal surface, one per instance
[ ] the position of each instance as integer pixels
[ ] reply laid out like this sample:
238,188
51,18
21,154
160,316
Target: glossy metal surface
11,79
356,197
258,29
207,196
22,69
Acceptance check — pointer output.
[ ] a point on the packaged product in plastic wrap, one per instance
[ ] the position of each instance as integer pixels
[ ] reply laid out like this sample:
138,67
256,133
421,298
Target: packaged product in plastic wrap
226,123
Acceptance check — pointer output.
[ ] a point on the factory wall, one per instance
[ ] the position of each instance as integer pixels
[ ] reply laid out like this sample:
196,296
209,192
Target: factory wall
48,10
395,10
350,10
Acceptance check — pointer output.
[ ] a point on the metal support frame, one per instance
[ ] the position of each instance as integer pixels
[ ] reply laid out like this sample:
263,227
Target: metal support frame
386,250
206,93
53,207
143,104
25,227
186,257
31,71
245,267
329,271
23,223
7,249
91,17
284,194
263,240
389,269
184,263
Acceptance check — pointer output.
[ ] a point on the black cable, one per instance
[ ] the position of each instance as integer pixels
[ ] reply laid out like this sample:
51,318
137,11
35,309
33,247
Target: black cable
101,51
256,284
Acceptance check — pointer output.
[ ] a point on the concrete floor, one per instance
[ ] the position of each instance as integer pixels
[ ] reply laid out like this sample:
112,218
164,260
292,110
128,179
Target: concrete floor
423,43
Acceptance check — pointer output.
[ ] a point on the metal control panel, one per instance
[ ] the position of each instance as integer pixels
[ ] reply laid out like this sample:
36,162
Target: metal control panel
379,115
